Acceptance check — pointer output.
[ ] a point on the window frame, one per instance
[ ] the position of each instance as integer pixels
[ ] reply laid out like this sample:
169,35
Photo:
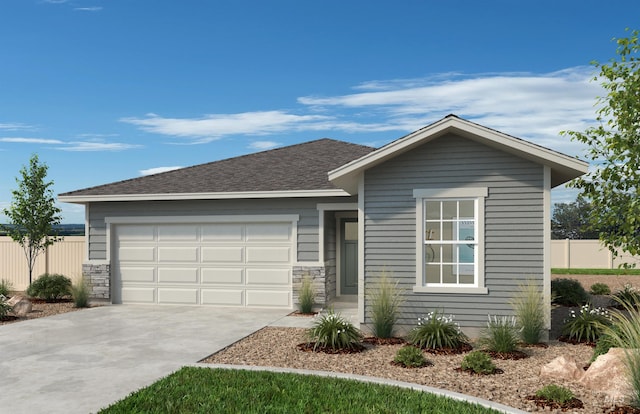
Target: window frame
478,194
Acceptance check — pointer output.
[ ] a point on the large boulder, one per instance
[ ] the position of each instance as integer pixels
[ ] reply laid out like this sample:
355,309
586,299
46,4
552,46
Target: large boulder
609,374
21,305
562,368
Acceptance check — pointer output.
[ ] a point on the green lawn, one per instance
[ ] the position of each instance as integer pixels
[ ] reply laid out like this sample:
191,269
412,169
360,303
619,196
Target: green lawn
205,390
557,271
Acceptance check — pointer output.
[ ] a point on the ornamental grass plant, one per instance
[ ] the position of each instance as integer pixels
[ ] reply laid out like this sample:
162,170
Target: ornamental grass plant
529,308
5,287
478,362
410,357
437,331
587,324
80,292
306,299
624,332
500,335
385,301
332,331
555,393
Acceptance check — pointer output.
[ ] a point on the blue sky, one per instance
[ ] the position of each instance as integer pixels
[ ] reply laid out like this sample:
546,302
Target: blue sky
105,90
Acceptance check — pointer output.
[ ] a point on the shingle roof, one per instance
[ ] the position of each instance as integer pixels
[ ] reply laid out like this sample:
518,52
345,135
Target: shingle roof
296,167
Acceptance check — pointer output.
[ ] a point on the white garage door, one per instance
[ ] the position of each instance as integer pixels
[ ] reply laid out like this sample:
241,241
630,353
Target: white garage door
232,264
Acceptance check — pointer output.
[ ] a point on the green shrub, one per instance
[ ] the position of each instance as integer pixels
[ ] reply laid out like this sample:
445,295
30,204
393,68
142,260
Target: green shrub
385,301
410,357
627,295
555,393
603,344
625,333
5,308
568,292
479,362
50,287
500,335
334,332
307,294
600,289
586,325
436,331
5,287
80,293
529,308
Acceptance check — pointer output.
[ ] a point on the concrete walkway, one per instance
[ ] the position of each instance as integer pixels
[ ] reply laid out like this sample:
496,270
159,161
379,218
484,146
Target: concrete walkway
79,362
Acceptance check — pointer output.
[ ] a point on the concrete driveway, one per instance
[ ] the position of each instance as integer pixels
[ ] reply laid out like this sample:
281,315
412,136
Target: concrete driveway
82,361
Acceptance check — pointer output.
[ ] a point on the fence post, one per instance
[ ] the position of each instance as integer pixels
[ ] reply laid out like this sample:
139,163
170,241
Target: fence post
567,251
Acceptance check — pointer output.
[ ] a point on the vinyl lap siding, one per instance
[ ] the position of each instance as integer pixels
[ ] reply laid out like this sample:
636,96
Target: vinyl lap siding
513,223
306,208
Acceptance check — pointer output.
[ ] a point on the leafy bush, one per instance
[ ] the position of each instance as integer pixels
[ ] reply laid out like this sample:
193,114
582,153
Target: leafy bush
479,362
625,333
50,287
555,393
5,308
500,335
385,303
603,344
410,357
5,287
600,289
568,292
436,331
586,325
332,331
529,308
627,295
307,295
80,293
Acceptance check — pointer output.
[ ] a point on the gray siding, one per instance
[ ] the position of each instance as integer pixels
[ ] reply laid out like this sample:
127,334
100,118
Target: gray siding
513,223
306,208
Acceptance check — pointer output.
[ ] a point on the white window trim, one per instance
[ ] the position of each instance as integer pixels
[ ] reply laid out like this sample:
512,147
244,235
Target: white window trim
479,193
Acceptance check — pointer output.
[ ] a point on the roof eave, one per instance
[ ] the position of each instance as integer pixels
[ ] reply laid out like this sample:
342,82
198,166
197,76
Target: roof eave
83,199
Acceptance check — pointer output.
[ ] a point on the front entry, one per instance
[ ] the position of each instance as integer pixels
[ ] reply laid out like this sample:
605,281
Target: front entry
348,256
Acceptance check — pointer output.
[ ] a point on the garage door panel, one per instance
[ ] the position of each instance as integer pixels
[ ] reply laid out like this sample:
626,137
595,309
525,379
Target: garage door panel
136,254
268,277
234,254
228,297
138,274
269,298
178,275
268,232
222,275
168,233
136,233
177,254
138,295
178,296
226,264
222,232
275,254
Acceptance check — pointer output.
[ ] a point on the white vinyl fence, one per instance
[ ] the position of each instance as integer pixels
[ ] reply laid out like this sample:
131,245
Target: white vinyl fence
64,257
586,254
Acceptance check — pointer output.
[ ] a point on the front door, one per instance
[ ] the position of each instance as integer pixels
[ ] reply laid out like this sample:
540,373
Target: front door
349,256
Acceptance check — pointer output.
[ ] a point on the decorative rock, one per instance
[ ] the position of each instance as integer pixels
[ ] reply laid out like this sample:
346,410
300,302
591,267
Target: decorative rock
608,374
21,305
562,368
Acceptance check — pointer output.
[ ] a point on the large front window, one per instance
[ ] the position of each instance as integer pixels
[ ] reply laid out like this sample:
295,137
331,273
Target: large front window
450,240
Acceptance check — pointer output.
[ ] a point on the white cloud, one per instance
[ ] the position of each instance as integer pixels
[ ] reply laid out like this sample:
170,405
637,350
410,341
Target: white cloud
85,146
14,126
158,170
22,140
215,126
264,145
88,9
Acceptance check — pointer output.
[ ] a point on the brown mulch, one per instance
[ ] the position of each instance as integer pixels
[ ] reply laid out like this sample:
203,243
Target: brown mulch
383,341
572,404
472,372
298,313
573,341
515,355
401,365
311,347
624,409
462,349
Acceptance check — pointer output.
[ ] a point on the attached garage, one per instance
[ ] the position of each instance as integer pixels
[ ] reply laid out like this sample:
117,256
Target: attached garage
229,263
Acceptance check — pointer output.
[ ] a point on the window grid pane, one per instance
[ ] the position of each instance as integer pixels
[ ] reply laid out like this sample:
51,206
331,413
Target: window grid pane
450,245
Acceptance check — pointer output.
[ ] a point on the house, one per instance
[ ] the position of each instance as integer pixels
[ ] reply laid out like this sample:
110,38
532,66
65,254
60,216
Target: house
457,213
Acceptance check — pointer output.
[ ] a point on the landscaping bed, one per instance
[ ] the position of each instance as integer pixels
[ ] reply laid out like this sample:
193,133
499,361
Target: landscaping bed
41,309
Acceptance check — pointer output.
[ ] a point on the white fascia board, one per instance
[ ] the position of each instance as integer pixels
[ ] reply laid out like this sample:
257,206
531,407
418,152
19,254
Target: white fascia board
81,199
568,167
